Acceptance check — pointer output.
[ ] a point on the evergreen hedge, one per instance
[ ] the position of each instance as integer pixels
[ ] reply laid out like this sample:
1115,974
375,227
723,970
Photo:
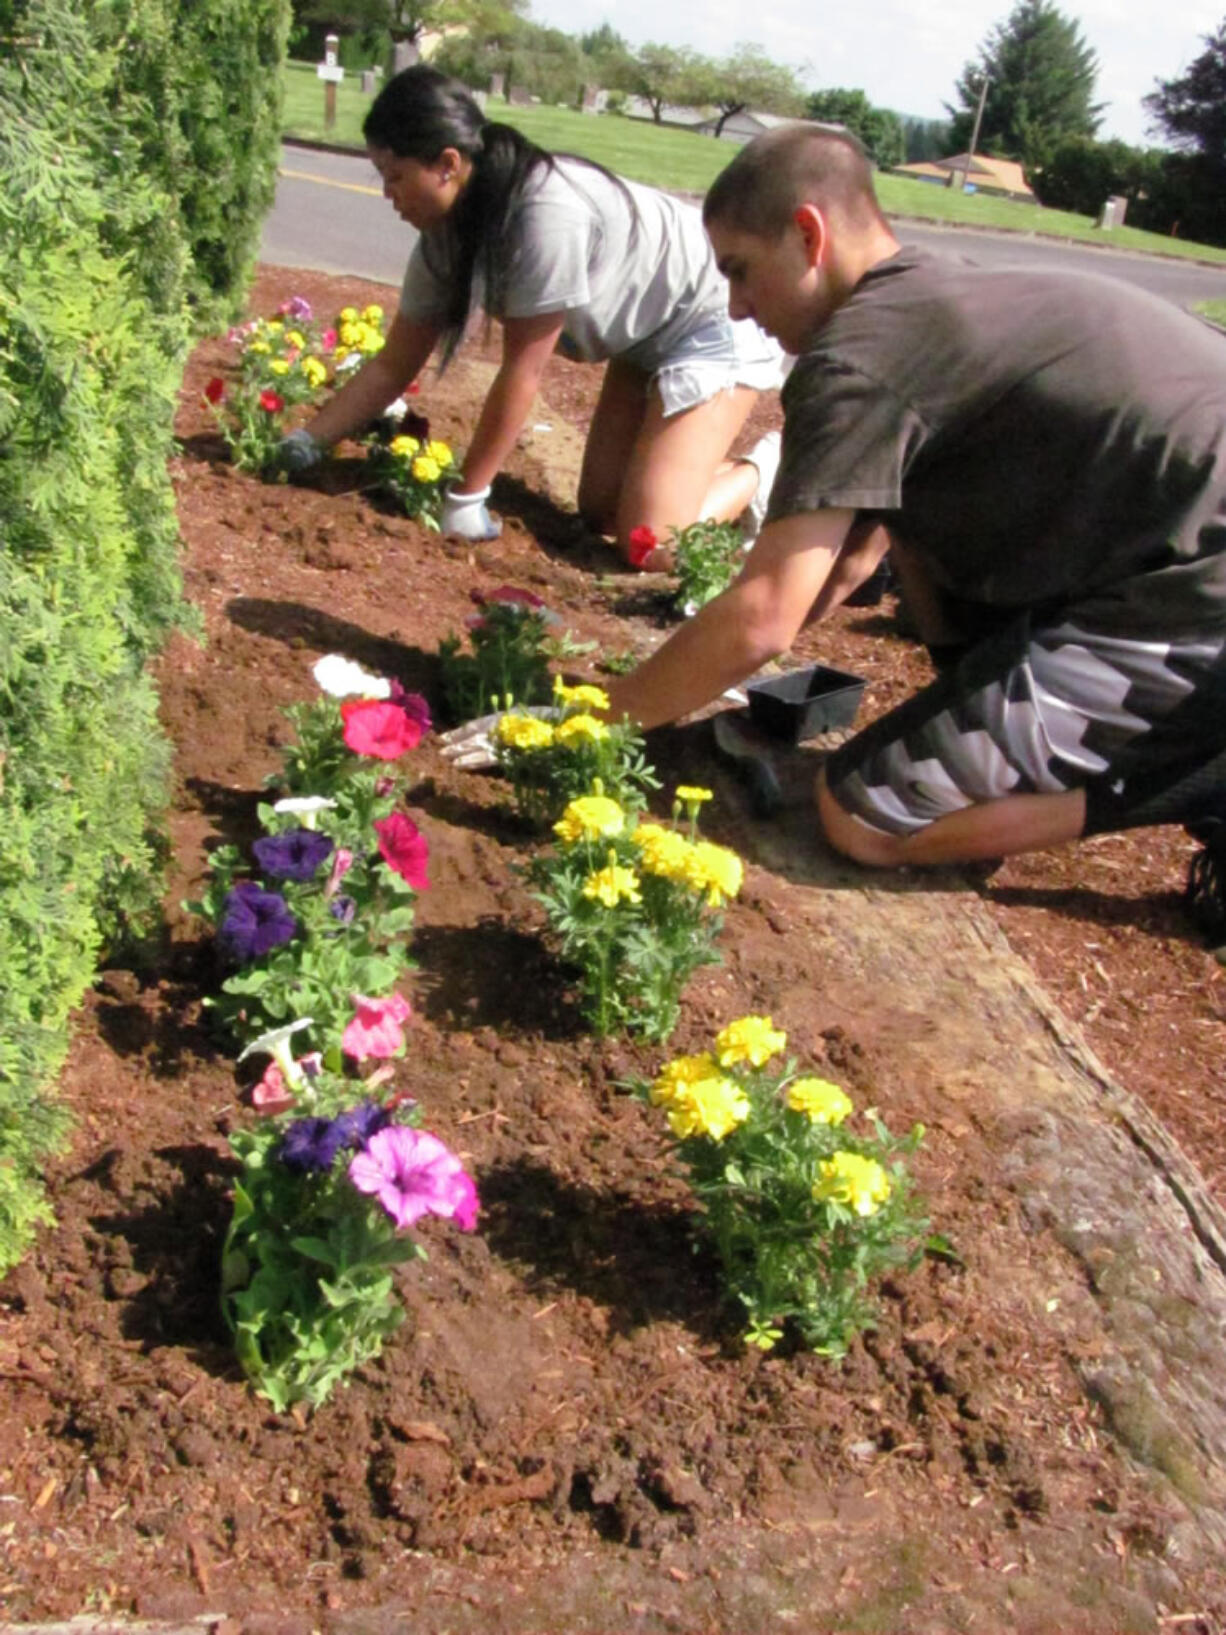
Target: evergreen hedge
111,231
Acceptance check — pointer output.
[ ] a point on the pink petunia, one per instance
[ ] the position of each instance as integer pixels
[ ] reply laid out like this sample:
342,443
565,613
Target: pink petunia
272,1094
506,593
412,1173
327,341
375,726
377,1028
342,862
404,848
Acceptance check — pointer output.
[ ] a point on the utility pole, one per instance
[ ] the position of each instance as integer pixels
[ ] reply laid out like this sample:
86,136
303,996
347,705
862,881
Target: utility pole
970,158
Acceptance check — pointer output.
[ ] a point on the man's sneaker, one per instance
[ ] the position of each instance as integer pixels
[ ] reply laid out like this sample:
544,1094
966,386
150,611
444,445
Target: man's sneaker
765,455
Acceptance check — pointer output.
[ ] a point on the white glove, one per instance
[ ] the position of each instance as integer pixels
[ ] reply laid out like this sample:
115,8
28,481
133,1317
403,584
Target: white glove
298,451
465,516
471,746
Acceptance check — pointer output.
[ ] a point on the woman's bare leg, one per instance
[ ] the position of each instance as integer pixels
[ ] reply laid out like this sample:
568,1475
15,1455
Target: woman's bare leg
641,469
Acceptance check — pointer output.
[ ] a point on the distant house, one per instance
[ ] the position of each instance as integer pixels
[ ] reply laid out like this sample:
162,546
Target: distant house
1002,177
738,127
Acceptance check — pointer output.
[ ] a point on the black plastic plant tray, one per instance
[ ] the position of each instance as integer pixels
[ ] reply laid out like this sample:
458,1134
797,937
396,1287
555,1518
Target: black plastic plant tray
802,703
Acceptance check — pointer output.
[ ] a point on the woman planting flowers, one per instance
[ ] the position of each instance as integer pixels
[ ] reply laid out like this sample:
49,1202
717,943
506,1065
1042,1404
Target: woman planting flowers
566,255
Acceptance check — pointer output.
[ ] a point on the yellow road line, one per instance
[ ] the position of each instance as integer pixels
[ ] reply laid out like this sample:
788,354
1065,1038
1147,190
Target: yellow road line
327,181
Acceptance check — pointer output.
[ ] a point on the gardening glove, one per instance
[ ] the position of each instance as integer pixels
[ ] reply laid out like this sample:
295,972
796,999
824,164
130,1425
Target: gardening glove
298,452
465,516
471,747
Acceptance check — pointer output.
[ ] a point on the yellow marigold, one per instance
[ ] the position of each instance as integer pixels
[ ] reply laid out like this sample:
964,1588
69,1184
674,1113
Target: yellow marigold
848,1178
278,366
295,337
439,452
349,334
373,314
752,1039
404,447
710,1107
260,348
682,1070
524,732
584,695
612,885
662,851
314,371
341,353
369,340
425,470
692,795
581,729
819,1100
274,326
715,870
349,315
590,817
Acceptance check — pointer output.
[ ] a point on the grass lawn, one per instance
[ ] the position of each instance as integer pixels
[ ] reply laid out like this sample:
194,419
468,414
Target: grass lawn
687,163
1215,311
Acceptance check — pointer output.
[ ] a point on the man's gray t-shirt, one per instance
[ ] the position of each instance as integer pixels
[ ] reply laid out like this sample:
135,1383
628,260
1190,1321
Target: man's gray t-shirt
1044,440
630,288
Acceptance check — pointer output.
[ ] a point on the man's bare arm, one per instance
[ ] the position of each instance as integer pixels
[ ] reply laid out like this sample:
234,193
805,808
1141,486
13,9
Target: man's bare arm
755,619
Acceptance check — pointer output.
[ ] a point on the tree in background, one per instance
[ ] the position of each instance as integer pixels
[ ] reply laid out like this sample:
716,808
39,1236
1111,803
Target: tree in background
665,75
749,79
374,25
611,58
925,139
880,131
1041,77
1191,112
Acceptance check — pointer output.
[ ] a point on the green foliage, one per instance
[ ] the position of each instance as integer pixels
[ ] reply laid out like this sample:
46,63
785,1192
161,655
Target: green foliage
925,139
506,663
748,79
551,762
1082,175
634,909
1042,76
307,1287
803,1211
879,130
1190,192
707,556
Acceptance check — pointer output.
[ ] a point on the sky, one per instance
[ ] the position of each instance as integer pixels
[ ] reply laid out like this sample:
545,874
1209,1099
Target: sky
907,54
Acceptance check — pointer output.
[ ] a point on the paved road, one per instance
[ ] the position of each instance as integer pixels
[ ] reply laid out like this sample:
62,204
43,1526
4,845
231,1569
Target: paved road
330,215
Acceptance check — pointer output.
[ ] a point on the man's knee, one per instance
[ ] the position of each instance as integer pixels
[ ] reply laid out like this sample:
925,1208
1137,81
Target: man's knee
850,836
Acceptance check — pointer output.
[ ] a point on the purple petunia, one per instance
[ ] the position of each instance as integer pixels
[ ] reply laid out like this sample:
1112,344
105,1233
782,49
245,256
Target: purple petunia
343,908
312,1143
253,921
294,855
413,705
363,1121
413,1174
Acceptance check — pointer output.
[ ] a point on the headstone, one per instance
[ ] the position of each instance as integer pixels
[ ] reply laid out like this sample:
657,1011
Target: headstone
404,55
480,98
595,100
368,82
519,96
1113,211
498,85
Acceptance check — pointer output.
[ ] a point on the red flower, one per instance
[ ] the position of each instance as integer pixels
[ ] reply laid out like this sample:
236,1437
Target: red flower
412,389
642,543
215,390
373,726
271,401
404,848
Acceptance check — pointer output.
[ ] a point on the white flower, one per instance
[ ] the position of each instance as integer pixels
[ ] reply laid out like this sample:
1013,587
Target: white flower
341,677
307,807
276,1043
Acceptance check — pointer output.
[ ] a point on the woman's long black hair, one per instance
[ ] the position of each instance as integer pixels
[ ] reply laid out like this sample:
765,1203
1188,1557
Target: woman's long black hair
417,114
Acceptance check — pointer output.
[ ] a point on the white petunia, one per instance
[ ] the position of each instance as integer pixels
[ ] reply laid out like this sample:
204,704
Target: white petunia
276,1043
307,807
342,678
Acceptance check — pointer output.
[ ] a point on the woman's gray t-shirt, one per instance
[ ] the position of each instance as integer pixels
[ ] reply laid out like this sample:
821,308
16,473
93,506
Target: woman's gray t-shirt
1043,440
632,280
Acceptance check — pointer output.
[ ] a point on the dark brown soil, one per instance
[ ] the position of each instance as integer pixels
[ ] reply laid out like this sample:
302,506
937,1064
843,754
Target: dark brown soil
566,1434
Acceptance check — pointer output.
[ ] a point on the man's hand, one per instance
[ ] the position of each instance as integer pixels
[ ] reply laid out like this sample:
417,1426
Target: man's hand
471,747
465,516
299,452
